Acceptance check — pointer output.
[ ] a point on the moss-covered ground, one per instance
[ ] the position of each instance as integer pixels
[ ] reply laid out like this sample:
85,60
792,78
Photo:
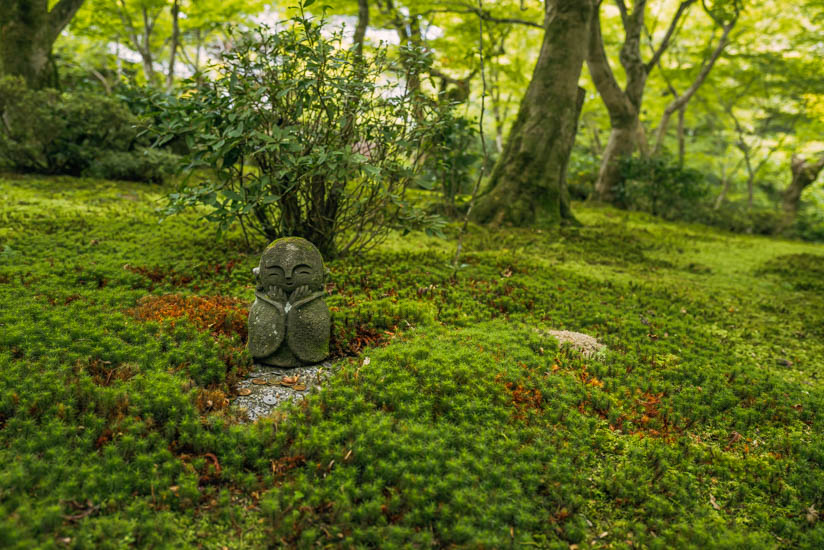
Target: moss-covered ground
701,426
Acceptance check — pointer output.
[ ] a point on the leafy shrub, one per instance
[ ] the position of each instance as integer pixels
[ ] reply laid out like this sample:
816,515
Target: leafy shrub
142,164
453,157
581,174
808,226
660,187
738,218
803,271
306,138
48,132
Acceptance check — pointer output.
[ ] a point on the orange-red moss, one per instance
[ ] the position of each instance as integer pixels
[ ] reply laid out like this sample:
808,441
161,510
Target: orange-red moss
217,314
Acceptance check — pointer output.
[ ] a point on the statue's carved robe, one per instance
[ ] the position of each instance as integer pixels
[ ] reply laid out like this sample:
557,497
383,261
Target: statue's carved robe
289,335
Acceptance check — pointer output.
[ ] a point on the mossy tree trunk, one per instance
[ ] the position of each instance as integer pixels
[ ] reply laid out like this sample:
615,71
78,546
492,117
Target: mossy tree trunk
530,175
27,32
805,173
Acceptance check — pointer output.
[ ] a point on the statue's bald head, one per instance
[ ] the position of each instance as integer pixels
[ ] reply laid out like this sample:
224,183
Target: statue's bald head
289,263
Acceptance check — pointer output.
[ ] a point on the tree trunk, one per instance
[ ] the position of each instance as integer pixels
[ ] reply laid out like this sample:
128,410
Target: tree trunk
682,149
529,177
624,105
175,42
146,51
360,28
621,144
804,174
725,187
27,32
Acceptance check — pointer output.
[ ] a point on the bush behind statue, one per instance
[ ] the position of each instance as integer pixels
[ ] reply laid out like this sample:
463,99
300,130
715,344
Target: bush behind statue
305,137
77,134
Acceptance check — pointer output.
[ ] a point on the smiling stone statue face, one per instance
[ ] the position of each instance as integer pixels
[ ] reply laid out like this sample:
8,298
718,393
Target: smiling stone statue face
289,323
291,263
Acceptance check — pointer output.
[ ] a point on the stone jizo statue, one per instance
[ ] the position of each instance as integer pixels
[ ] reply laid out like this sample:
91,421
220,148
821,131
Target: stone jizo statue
289,322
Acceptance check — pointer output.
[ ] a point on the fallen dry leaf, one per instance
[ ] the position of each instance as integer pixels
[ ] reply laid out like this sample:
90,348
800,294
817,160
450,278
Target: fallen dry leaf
299,387
289,380
259,382
812,514
713,503
244,391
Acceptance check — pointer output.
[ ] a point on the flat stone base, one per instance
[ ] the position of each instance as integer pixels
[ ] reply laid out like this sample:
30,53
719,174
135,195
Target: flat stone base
273,387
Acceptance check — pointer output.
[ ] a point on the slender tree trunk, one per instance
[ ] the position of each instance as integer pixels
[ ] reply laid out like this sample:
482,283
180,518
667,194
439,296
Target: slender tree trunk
804,173
146,50
529,177
624,104
27,32
682,148
360,28
725,187
175,41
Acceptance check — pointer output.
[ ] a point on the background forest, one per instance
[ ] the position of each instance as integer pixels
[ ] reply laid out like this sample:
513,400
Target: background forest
703,111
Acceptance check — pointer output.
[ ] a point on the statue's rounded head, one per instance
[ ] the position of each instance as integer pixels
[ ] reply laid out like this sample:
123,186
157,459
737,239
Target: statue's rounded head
289,263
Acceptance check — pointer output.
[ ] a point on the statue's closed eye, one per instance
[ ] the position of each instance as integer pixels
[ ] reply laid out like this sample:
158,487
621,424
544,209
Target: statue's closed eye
303,269
275,269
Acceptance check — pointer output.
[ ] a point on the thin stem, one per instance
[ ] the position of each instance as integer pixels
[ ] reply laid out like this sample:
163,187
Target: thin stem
482,171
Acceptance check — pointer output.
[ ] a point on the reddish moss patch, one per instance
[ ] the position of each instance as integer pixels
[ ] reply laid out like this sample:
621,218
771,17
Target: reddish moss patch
523,399
217,314
211,401
350,342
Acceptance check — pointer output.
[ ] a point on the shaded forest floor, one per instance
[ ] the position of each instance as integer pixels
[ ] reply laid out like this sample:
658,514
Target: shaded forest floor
121,341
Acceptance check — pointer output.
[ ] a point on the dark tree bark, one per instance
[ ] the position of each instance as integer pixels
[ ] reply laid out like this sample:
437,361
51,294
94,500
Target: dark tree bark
530,176
805,172
27,33
624,105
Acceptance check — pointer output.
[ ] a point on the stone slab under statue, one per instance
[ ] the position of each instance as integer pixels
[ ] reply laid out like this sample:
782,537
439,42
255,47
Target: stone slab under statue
289,322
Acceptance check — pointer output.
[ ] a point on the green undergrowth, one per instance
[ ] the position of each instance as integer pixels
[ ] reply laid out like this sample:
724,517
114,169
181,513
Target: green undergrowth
121,341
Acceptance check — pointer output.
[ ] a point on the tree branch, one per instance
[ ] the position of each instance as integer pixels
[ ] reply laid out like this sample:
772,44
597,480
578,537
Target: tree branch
602,75
682,100
61,14
682,8
486,16
622,7
126,18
